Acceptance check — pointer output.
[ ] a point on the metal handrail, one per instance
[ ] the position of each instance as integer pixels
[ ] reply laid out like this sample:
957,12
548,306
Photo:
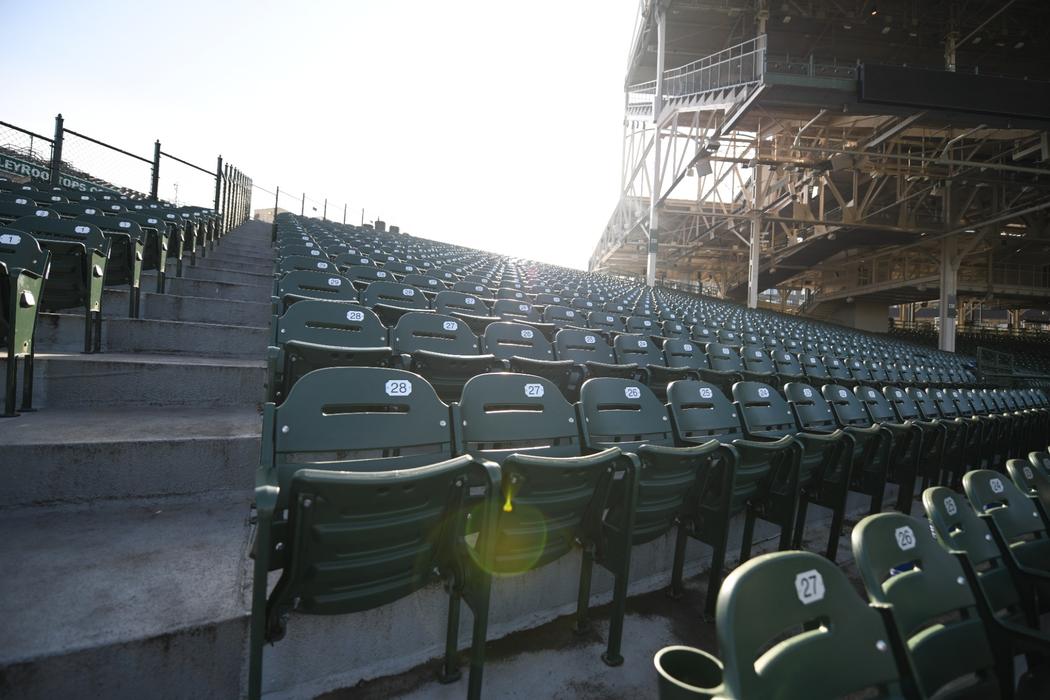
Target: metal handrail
740,64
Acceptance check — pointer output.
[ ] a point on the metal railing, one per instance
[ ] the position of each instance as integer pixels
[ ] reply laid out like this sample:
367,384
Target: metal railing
742,64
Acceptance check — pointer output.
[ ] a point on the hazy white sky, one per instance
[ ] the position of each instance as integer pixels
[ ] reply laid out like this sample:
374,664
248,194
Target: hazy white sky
492,124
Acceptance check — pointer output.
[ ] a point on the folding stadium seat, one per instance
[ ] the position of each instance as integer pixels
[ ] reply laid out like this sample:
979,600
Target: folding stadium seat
749,338
441,349
384,519
641,350
954,434
590,351
526,350
428,283
702,334
871,445
967,446
757,478
1010,612
304,284
641,325
158,240
681,353
605,322
562,316
787,366
79,255
362,276
583,304
626,414
290,263
673,329
838,372
996,441
1015,522
728,337
391,300
524,424
23,268
1032,477
313,334
346,261
725,367
472,288
513,310
793,595
936,615
449,301
907,450
824,467
400,269
758,367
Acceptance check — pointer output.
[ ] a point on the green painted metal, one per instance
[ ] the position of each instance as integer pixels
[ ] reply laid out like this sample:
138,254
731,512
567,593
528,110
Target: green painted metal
757,478
871,444
554,500
23,269
313,334
783,592
933,609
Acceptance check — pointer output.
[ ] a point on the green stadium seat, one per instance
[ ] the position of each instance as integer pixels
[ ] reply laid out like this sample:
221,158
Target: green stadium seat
442,350
871,445
328,524
313,334
554,498
311,284
79,254
757,478
23,268
790,625
930,608
127,243
823,474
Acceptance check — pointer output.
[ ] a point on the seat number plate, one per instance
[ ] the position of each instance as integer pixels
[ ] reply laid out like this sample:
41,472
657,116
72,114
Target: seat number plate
809,586
335,282
355,315
763,392
533,391
905,538
632,392
997,485
398,387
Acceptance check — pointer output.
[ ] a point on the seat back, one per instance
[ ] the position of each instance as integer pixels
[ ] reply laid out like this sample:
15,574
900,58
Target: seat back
331,323
684,353
506,339
848,409
394,294
312,284
515,310
934,609
448,301
562,316
722,358
305,262
581,347
763,412
957,527
700,412
508,413
786,363
1012,514
637,349
622,413
756,359
418,330
808,597
814,367
812,412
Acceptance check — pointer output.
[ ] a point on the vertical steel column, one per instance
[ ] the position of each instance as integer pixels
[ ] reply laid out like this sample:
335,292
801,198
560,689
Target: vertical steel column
949,289
654,198
755,242
154,183
56,150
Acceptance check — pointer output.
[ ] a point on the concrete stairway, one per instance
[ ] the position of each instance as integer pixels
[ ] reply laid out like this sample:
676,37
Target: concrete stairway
125,499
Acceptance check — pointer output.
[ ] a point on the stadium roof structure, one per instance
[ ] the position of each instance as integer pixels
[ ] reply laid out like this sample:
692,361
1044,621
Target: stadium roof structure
882,151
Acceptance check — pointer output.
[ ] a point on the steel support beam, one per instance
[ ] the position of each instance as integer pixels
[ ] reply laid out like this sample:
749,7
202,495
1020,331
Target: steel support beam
654,198
950,260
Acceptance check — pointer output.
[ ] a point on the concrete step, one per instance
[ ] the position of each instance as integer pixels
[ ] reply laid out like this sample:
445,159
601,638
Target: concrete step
175,307
229,274
190,286
64,333
105,453
264,267
125,601
122,380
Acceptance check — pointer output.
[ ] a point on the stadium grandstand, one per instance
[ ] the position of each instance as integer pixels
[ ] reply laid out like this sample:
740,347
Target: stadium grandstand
253,450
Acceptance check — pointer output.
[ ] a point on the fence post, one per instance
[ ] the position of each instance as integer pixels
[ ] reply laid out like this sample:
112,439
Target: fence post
154,184
56,149
324,214
302,207
344,214
218,183
276,203
226,197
